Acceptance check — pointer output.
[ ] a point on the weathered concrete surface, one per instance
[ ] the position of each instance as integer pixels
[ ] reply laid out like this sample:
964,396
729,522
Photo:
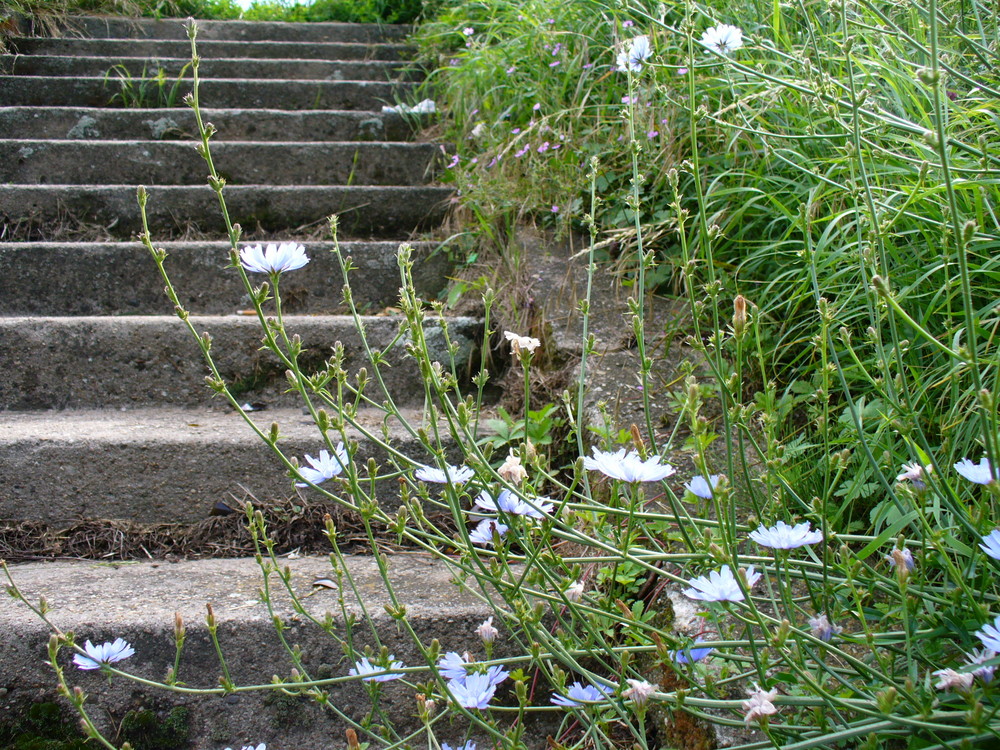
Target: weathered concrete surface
208,49
93,123
173,210
96,91
331,70
120,278
56,363
137,602
244,31
62,162
168,465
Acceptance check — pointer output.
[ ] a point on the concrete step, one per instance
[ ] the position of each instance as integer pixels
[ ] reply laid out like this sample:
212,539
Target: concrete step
167,465
138,67
32,162
123,361
137,602
99,27
92,123
96,91
174,211
114,278
208,49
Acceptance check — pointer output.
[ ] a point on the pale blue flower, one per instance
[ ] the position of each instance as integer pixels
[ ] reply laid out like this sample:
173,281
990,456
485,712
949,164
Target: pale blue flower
720,586
701,487
989,635
325,467
991,544
484,531
901,557
261,746
105,654
475,691
578,692
981,473
449,475
983,671
637,53
628,467
783,536
914,473
691,655
287,256
470,745
369,672
723,38
452,666
510,503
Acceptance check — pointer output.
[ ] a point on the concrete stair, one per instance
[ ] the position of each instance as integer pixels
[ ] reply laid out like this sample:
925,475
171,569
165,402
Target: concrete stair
97,363
105,413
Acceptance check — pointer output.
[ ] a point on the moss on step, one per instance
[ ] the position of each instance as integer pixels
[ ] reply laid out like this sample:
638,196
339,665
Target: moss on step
42,727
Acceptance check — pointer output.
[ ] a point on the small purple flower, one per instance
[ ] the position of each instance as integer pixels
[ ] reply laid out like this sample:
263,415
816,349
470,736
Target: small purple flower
522,152
901,559
454,161
978,658
103,655
511,69
543,148
627,24
555,63
652,134
468,31
555,208
578,692
821,627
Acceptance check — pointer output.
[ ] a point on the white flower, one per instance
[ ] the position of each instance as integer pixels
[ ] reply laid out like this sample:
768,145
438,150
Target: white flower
981,473
721,585
261,746
700,487
628,467
759,704
450,474
989,635
575,591
106,653
949,679
637,53
723,38
783,536
323,468
487,632
821,627
512,470
517,343
513,505
369,672
470,745
275,259
478,132
639,691
483,533
914,473
991,544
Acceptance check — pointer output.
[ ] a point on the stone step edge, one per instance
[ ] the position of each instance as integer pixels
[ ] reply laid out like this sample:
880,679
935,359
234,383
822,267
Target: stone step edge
168,465
138,602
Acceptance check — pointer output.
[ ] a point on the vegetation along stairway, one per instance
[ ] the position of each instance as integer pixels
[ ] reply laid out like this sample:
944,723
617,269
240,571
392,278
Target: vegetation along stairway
105,412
